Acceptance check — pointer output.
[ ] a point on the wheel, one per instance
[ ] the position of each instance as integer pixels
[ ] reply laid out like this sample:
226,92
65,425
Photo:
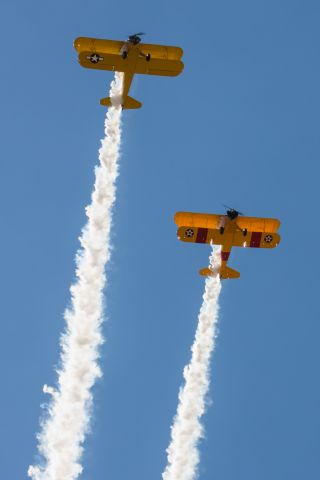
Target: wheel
124,55
148,57
221,230
244,232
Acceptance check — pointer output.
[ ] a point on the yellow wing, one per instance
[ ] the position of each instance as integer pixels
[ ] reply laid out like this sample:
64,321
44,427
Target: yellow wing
203,220
236,239
157,66
266,239
206,220
161,51
102,61
255,224
114,62
86,44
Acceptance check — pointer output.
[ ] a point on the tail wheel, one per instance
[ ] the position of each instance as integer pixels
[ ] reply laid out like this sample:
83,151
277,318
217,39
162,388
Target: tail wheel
124,55
221,229
148,57
245,232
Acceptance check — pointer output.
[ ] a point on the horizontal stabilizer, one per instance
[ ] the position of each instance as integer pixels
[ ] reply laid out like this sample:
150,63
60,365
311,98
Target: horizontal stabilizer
128,103
106,102
225,272
131,103
207,272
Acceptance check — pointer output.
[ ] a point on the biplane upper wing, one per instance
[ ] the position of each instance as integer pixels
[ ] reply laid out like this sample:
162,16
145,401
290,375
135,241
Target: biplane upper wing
84,44
256,224
206,220
203,220
96,45
234,239
161,51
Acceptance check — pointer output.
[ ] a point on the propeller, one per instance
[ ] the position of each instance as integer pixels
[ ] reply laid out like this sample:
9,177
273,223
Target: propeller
137,34
232,209
135,37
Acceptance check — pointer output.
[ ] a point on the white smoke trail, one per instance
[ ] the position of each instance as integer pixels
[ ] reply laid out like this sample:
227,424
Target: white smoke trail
186,431
63,432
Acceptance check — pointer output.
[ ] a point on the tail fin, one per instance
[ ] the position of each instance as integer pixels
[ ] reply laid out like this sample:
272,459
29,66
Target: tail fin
128,103
225,272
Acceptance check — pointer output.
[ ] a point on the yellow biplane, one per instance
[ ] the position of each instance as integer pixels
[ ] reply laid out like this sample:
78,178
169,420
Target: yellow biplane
230,230
130,56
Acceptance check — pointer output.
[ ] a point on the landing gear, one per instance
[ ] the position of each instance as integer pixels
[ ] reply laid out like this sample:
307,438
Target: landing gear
148,57
124,55
221,230
244,232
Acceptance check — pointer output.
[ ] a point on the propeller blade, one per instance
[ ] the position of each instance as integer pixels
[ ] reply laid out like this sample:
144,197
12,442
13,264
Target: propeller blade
136,34
230,208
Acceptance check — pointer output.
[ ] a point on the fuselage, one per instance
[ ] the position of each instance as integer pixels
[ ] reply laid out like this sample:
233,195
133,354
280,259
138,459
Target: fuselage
132,53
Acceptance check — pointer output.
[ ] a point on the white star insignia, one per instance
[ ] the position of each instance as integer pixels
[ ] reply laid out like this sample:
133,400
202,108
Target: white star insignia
94,58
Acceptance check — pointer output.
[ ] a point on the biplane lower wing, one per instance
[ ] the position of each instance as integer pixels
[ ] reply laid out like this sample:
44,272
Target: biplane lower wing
102,61
115,62
235,239
158,66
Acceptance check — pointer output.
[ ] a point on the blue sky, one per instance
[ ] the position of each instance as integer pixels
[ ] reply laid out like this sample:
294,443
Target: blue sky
240,126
